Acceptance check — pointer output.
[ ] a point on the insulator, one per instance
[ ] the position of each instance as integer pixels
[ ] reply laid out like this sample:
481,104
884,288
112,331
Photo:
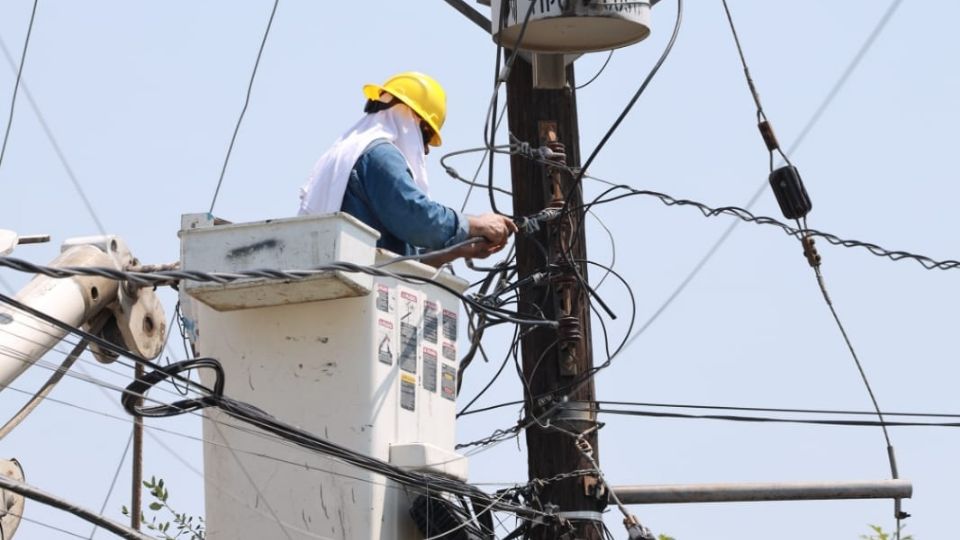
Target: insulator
559,152
791,195
570,330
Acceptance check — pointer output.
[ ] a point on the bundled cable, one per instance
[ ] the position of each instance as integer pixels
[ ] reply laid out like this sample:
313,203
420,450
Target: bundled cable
262,420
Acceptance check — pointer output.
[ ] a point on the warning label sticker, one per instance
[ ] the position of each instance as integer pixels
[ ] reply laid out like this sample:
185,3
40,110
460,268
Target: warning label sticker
409,315
408,347
429,369
449,351
450,324
448,382
383,298
385,344
408,392
431,321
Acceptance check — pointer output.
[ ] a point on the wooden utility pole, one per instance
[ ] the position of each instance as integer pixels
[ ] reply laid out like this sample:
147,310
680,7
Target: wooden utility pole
552,358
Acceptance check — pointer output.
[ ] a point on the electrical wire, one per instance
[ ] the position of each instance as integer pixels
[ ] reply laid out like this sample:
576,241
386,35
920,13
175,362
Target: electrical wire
126,392
256,418
48,133
801,138
830,412
232,426
813,258
96,340
260,455
45,390
626,110
170,276
597,74
767,419
42,497
746,216
113,483
246,103
45,525
16,87
501,76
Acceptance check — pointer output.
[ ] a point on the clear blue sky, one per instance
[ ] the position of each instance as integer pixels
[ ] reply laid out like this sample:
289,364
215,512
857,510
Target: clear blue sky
142,98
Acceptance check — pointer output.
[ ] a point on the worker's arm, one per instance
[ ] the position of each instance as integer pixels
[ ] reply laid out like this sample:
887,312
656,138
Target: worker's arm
410,215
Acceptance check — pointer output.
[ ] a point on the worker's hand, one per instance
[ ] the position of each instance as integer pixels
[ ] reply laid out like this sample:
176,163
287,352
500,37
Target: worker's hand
494,227
479,249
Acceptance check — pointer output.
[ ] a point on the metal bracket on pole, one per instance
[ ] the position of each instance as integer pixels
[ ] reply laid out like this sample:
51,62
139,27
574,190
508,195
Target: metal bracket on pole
549,71
773,491
470,13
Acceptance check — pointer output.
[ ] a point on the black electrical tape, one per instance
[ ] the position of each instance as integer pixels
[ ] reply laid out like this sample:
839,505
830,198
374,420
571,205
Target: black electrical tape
138,389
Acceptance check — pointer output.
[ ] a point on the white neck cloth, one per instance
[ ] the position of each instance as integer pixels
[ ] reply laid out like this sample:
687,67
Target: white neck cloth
323,192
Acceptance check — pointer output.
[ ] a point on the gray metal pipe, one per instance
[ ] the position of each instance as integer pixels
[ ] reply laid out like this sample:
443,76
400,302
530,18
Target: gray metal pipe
772,491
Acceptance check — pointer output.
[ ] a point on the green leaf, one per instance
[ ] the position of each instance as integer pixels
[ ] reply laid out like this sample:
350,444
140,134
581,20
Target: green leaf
155,506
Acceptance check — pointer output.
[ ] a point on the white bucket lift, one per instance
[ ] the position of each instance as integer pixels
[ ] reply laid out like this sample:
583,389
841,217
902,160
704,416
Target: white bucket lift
367,362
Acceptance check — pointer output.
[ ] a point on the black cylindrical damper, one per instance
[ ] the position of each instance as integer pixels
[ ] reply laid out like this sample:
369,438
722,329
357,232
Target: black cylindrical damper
791,195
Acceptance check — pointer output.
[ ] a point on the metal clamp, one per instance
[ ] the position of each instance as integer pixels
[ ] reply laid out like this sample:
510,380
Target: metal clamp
581,515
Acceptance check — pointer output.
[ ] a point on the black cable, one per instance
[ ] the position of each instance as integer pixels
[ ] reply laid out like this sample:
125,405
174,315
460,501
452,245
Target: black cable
490,139
466,408
253,416
492,407
603,67
97,340
837,412
570,388
167,277
587,375
744,215
633,100
765,419
246,103
243,412
16,87
501,77
807,129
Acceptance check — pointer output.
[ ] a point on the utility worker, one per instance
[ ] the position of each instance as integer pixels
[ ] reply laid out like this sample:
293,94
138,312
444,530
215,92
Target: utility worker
376,172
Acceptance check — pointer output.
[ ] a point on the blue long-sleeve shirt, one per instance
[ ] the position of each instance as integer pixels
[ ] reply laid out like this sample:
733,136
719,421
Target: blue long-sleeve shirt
381,193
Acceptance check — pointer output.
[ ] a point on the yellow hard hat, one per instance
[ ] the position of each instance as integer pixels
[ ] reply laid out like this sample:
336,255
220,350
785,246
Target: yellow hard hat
421,93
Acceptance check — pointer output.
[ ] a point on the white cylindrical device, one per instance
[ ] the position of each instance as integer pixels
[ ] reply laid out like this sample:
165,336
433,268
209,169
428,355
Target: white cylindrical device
24,339
570,26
